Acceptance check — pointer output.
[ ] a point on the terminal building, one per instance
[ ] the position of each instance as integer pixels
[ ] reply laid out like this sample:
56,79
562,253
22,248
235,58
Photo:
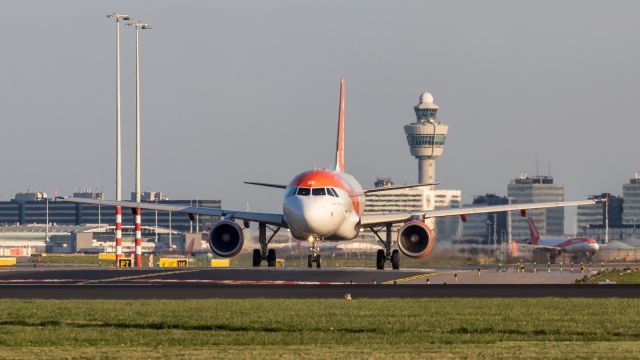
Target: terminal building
525,189
37,208
417,200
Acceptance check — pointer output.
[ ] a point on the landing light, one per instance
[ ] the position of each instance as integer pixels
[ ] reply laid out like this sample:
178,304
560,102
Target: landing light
310,239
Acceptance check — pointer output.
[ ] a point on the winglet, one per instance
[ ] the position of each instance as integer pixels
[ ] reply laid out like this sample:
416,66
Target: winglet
340,141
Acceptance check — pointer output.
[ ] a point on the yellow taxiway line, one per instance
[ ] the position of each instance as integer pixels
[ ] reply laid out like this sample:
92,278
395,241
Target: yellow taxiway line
422,276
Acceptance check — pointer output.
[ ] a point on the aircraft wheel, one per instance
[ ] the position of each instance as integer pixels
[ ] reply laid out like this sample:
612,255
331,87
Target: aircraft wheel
395,259
318,262
380,259
257,257
271,258
310,261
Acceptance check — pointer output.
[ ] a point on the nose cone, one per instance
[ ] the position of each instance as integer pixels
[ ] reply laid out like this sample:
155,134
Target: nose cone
312,216
317,219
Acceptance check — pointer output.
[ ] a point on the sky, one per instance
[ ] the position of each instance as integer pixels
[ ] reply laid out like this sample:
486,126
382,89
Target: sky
237,91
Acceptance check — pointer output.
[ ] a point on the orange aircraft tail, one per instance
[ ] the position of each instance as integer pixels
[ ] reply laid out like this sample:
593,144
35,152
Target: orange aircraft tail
340,141
534,236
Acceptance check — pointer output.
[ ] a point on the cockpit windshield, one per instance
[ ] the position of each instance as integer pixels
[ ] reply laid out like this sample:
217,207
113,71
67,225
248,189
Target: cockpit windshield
302,191
318,192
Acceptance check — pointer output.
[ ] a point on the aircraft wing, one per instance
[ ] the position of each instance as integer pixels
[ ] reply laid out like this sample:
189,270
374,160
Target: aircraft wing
390,188
270,219
375,220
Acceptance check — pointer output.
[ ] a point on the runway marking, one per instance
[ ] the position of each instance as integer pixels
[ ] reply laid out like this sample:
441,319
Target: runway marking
133,277
420,276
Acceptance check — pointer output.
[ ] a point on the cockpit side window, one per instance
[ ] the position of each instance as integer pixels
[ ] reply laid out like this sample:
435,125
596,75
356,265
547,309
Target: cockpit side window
304,191
332,192
292,191
318,191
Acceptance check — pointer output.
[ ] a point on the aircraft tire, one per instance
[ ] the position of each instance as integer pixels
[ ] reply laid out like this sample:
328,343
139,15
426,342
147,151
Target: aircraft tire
318,262
310,261
395,259
257,257
380,259
271,258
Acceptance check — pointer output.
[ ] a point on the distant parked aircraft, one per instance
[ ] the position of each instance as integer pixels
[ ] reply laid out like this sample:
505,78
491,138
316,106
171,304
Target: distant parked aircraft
577,247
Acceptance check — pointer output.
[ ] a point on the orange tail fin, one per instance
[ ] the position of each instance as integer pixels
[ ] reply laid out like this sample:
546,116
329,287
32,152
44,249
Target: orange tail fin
340,141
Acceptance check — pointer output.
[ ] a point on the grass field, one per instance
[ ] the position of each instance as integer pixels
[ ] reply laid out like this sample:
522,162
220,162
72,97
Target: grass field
619,276
335,329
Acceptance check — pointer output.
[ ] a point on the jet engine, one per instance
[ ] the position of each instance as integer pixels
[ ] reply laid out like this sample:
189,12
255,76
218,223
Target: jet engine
415,239
226,238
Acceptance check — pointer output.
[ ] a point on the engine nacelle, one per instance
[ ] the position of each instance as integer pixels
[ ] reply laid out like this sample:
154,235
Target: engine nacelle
416,239
226,238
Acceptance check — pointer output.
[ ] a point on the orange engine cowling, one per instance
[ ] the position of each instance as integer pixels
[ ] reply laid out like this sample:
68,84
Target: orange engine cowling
226,238
415,239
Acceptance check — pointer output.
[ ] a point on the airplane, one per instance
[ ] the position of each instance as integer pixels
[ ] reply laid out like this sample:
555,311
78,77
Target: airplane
327,205
552,247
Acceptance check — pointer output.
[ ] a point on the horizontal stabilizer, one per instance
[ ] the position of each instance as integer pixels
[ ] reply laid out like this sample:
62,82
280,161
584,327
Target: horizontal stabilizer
279,186
389,188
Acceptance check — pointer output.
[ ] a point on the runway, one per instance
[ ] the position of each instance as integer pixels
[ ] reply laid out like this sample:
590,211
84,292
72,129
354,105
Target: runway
201,283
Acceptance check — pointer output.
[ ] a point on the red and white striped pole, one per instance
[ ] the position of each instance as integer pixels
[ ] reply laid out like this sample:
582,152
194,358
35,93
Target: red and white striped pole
118,235
138,238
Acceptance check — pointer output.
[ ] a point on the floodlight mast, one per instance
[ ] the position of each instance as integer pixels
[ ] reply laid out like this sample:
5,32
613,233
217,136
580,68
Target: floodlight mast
118,17
137,25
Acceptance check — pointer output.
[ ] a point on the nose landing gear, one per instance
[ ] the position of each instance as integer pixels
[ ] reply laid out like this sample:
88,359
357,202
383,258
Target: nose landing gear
314,257
384,255
264,253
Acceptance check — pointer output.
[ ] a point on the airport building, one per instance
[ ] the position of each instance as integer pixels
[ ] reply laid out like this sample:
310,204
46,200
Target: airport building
525,189
417,200
631,196
488,228
36,208
594,215
24,240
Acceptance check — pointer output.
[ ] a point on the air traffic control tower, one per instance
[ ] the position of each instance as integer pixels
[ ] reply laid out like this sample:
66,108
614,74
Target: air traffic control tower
426,138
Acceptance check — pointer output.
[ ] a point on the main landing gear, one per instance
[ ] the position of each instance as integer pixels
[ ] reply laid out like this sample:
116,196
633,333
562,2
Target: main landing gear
314,257
384,255
264,253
